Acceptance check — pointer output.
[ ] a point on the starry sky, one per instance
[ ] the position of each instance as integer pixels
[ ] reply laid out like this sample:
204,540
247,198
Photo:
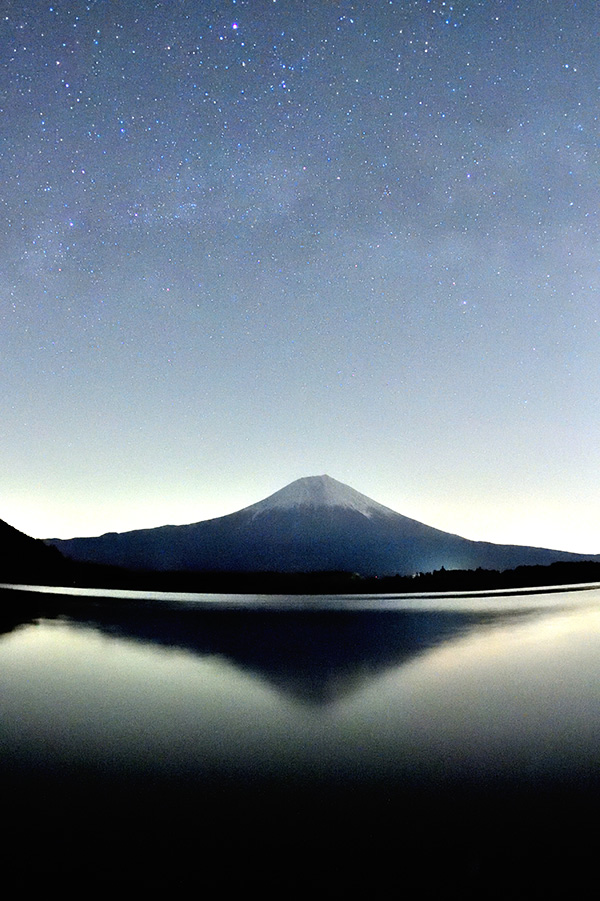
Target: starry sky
245,241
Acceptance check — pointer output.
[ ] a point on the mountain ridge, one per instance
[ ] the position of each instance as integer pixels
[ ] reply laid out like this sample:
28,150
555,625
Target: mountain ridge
25,558
314,524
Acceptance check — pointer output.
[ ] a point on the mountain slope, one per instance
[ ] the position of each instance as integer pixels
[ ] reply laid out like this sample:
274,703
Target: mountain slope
314,524
25,559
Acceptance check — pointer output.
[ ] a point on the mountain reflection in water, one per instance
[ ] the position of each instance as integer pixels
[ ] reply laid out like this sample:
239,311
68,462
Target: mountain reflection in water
313,656
463,732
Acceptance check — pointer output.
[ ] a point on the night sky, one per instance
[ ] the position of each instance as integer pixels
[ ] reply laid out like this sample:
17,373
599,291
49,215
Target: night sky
245,242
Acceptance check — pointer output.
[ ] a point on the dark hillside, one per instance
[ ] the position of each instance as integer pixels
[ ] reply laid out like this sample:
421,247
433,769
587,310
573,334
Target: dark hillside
28,560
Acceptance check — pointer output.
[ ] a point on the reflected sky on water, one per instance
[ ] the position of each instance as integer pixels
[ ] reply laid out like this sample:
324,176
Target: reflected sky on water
463,688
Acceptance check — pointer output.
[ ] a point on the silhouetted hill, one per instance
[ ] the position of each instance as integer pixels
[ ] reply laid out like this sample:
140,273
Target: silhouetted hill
28,560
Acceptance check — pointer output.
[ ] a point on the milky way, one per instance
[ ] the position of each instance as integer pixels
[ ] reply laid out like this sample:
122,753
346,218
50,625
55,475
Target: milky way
244,242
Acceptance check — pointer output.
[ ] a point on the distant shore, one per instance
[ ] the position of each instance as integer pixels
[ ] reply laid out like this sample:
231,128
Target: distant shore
99,581
98,578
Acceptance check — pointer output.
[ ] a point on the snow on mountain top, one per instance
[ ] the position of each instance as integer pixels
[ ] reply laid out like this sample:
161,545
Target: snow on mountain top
318,492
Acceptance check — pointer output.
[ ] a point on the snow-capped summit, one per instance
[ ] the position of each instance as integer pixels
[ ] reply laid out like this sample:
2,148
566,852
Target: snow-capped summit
315,524
319,492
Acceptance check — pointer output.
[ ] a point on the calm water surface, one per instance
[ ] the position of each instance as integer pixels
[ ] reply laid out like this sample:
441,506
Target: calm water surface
435,712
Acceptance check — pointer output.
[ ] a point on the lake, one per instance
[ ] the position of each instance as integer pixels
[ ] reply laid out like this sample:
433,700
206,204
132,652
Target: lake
178,738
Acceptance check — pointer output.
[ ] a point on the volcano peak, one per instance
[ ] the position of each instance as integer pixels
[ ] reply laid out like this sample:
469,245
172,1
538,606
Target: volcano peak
319,492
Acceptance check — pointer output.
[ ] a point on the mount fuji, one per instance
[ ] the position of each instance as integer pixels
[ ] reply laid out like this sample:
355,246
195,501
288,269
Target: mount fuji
314,524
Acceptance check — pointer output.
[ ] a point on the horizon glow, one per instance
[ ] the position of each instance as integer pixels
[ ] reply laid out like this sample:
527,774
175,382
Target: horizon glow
251,242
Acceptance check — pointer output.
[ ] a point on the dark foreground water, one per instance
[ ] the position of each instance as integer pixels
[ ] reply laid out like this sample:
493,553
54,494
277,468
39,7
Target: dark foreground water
330,744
